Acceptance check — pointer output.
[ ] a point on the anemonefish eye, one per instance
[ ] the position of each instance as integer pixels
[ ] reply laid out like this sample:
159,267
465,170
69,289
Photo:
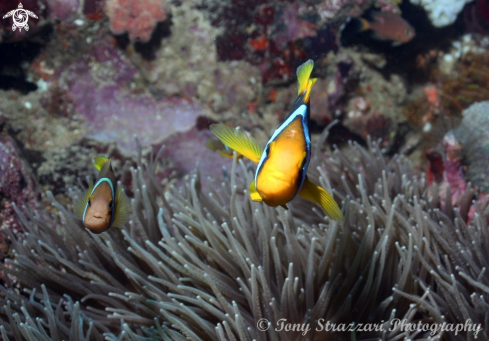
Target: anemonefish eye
110,205
408,31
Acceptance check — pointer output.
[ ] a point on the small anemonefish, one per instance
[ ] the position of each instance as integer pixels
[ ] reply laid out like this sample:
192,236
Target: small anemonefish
282,165
103,205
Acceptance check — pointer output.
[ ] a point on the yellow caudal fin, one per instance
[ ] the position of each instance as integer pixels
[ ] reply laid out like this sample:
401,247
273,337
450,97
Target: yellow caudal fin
312,192
81,202
254,195
305,83
238,141
100,161
122,208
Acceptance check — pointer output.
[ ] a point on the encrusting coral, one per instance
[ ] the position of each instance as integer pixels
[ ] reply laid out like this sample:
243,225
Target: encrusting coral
209,266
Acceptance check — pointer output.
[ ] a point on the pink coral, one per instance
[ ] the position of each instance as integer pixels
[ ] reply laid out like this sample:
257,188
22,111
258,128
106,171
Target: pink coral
114,113
137,17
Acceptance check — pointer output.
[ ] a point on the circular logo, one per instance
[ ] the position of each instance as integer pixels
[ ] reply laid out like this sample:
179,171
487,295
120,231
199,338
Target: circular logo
262,325
20,16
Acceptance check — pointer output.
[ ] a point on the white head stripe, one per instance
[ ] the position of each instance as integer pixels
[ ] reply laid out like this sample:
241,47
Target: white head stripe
93,190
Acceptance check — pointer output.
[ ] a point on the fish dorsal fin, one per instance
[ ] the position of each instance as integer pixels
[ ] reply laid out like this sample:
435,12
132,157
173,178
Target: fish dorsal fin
100,161
305,83
254,195
238,141
122,208
312,192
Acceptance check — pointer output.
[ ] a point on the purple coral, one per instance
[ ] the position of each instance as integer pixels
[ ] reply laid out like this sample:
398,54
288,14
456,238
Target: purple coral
112,112
136,17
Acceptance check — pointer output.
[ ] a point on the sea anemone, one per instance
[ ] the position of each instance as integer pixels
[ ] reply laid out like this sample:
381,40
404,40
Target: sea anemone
217,266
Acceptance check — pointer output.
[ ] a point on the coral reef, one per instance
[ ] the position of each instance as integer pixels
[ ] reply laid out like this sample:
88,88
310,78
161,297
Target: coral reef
442,12
199,260
136,17
17,187
210,266
196,73
437,107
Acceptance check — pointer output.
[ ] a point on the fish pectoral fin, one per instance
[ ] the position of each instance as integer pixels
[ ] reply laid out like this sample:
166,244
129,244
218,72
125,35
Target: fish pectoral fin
254,195
81,203
314,193
122,208
239,141
100,161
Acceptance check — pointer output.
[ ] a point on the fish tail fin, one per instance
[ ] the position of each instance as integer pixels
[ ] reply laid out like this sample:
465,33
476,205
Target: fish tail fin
308,91
100,161
364,24
80,203
122,208
314,193
305,82
254,195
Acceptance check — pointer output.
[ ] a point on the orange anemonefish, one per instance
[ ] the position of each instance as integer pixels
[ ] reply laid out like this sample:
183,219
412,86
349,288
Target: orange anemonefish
103,205
282,165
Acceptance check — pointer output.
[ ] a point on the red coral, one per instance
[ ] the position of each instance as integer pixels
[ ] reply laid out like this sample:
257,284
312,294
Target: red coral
137,17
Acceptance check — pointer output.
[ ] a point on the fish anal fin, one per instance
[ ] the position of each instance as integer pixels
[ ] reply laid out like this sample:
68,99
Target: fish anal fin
314,193
254,195
100,161
238,141
122,208
284,206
